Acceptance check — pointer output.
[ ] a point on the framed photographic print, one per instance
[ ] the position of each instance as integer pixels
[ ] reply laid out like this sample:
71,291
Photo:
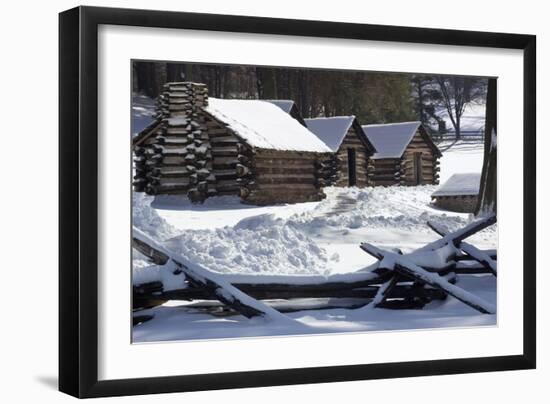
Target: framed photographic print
251,201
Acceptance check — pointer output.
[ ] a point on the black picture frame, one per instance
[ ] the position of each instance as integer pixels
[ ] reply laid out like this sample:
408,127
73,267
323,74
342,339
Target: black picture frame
78,201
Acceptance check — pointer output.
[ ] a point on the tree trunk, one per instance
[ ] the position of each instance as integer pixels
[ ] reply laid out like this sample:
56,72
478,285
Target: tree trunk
267,86
188,71
487,201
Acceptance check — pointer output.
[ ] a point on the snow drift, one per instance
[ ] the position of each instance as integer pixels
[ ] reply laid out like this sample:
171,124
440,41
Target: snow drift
258,244
297,244
145,218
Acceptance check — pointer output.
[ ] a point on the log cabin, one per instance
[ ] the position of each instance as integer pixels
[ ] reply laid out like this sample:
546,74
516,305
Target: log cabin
459,193
201,147
405,154
344,136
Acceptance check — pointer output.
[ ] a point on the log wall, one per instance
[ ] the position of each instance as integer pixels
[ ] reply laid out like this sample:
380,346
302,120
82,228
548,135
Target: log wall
385,172
459,203
228,153
282,177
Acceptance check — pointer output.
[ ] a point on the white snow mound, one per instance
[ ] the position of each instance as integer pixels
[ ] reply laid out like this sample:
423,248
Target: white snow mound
145,218
258,244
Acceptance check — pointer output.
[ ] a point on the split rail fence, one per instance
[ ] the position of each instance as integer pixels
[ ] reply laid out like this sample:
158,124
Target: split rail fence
396,281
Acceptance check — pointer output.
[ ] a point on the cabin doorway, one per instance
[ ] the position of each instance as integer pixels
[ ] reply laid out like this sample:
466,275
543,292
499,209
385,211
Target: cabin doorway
352,168
417,168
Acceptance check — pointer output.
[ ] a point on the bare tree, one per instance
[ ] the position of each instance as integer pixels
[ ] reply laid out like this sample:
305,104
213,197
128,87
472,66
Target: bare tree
456,93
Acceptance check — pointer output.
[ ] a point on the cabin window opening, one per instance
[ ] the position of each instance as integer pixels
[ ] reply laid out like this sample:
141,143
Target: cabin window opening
352,168
417,165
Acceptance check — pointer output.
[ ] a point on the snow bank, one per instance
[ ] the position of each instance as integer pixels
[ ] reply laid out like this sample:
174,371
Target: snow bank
307,242
145,218
403,208
259,244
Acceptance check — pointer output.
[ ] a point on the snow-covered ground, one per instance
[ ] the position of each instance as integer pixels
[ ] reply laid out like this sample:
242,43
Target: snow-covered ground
316,238
319,238
181,322
460,157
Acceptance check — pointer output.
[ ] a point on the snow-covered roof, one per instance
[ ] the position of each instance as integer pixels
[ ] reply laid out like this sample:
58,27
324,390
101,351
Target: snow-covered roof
264,125
331,130
390,140
460,184
285,105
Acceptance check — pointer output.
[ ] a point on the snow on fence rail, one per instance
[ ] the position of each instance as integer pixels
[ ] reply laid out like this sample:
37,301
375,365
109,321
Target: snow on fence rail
483,257
201,277
406,267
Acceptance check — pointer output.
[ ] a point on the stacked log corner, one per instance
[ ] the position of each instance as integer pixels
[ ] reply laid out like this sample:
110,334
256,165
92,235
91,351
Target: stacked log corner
177,157
327,170
231,159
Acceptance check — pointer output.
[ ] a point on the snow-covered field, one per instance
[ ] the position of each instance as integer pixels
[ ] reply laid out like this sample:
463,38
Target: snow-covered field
460,157
317,238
